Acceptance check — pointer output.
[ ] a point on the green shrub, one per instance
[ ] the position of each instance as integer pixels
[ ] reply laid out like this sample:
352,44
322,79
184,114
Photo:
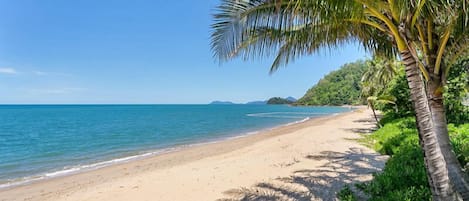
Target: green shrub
393,134
456,89
399,89
460,141
346,194
404,176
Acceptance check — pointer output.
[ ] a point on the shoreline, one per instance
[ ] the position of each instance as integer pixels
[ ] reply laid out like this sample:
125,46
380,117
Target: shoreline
143,154
59,188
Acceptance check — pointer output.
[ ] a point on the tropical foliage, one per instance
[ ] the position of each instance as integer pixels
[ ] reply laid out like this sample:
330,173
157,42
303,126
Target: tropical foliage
375,80
340,87
404,177
456,90
380,72
429,36
398,89
454,94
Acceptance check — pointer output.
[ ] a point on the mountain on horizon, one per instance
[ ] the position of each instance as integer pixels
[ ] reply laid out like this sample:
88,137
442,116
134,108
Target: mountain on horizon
292,99
256,103
221,103
279,101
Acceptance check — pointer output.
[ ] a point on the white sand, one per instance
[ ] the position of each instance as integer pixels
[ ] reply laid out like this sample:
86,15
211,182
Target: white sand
306,161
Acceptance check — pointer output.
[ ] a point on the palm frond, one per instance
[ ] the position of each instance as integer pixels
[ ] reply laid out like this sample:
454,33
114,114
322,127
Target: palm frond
292,29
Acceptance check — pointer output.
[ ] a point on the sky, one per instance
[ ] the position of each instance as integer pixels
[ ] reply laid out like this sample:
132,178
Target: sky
136,52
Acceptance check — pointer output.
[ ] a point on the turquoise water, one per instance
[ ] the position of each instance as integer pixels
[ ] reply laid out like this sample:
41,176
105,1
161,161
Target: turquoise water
41,141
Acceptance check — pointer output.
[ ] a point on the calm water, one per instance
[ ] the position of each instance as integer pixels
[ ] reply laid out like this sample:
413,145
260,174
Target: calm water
42,141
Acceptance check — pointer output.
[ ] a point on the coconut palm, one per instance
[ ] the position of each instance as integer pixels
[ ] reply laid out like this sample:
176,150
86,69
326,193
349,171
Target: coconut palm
374,81
429,35
380,72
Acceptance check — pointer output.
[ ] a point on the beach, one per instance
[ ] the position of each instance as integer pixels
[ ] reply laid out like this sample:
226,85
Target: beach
311,160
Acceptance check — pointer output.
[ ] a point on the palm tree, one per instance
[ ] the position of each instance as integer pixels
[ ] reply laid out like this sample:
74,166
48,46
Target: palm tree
380,72
374,81
429,35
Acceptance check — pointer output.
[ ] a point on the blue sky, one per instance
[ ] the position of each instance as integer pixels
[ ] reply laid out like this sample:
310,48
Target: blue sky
142,51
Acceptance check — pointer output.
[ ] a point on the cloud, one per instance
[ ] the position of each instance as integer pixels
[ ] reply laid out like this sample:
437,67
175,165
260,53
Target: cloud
8,71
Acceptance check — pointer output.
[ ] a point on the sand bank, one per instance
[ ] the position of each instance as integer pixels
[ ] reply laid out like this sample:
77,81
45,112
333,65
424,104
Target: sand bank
311,160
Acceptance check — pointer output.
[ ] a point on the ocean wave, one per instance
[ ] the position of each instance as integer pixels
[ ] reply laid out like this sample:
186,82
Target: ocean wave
69,170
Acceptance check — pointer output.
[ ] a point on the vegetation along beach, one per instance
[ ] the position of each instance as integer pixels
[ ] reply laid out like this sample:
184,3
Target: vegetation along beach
226,100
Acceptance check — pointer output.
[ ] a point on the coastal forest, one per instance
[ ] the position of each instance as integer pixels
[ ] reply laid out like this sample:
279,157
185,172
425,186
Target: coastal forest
418,79
381,84
404,176
340,87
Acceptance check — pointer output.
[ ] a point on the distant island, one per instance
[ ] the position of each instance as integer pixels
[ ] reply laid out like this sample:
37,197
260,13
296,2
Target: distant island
221,103
256,103
279,100
292,99
271,101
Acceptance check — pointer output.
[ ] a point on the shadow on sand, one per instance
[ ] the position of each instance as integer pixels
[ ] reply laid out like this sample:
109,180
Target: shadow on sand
370,125
321,183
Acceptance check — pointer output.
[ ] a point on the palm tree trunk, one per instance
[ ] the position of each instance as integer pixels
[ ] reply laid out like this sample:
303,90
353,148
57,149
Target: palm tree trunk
437,171
458,178
374,114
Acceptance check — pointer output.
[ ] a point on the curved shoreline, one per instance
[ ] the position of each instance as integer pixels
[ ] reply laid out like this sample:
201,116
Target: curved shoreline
69,184
142,155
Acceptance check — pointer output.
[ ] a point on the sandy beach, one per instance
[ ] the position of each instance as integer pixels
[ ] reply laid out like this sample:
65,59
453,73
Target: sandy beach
311,160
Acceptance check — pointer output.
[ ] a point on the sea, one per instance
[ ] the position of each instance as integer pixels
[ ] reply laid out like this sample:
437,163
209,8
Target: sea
45,141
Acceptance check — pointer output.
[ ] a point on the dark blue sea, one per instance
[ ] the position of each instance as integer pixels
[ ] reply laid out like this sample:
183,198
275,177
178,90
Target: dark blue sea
43,141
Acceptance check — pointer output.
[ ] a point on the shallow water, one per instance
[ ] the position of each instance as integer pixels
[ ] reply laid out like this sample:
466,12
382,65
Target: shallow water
40,141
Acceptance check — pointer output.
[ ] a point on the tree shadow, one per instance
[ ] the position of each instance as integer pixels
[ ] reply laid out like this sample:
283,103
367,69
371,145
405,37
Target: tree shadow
362,130
370,122
367,120
321,183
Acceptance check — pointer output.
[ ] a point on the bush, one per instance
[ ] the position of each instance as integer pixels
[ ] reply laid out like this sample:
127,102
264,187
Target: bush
399,89
455,93
393,135
404,176
346,194
460,141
